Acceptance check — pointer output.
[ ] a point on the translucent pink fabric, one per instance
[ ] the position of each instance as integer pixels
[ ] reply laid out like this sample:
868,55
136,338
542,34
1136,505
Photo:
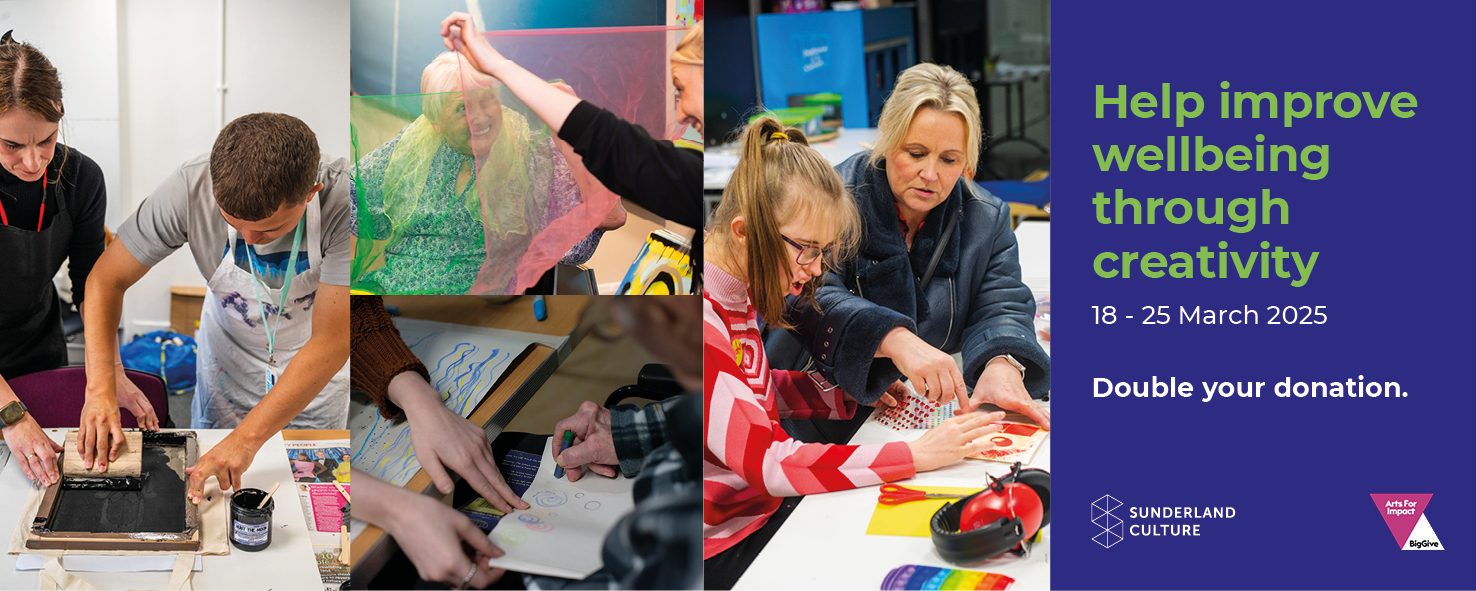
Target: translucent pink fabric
531,217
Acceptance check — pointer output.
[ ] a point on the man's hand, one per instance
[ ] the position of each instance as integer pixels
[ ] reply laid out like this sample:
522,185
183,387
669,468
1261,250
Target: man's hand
1002,385
227,461
444,440
593,447
133,400
101,436
35,452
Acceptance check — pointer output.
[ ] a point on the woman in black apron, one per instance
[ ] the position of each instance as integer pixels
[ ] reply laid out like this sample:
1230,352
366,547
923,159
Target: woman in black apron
52,203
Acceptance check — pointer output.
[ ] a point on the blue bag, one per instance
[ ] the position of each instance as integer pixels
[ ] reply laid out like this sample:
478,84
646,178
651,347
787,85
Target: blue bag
164,353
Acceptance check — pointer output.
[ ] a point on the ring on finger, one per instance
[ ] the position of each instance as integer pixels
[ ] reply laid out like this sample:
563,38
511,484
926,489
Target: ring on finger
467,579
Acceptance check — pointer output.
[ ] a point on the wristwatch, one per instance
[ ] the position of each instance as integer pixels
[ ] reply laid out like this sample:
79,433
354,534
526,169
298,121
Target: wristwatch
1012,361
12,413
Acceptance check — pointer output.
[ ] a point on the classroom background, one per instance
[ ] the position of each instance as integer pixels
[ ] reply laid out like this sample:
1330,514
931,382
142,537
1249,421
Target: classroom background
827,66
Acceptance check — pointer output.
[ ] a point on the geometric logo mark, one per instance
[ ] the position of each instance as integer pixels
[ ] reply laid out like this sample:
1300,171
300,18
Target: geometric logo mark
1105,518
1405,516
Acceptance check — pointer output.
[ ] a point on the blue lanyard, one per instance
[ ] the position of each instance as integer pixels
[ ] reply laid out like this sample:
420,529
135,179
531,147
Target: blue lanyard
257,284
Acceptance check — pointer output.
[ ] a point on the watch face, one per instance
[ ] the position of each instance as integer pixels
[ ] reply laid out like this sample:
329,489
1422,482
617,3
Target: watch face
12,412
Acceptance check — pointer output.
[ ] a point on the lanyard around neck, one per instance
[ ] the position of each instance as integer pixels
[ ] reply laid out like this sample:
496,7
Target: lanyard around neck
258,284
5,219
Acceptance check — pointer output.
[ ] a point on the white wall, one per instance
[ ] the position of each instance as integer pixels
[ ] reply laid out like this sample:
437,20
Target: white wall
69,33
280,55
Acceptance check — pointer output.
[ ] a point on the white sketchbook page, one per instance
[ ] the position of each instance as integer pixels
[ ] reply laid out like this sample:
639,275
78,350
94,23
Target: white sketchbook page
564,528
464,362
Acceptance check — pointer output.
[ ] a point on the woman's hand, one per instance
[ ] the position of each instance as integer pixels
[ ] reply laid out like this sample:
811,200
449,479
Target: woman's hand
895,394
133,400
35,452
459,34
1002,385
101,434
954,440
444,545
931,371
443,440
593,447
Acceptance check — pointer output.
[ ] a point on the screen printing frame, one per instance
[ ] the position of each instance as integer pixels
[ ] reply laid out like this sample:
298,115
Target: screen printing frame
39,537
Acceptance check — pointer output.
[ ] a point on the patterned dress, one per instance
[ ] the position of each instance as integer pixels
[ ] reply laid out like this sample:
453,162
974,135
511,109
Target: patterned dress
749,462
440,247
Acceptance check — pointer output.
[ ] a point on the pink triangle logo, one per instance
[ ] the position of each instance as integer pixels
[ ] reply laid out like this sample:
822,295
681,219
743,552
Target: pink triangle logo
1401,512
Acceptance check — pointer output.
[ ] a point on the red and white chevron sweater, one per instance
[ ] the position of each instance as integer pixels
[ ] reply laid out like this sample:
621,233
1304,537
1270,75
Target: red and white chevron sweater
749,462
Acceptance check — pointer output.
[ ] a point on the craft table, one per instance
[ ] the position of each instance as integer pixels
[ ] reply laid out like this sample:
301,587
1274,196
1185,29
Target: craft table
824,545
287,564
556,337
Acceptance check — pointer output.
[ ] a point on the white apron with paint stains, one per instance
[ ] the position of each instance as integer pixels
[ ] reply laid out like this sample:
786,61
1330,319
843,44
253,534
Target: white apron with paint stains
233,359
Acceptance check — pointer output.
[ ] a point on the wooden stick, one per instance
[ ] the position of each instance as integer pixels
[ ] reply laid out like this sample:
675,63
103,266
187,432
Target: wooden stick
343,491
263,503
343,542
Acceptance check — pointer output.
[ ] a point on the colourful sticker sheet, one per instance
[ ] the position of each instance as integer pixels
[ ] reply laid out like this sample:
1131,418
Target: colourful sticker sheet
911,519
917,576
914,412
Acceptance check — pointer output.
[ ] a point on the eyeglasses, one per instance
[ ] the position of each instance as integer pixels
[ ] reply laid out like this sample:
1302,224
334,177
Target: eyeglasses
807,254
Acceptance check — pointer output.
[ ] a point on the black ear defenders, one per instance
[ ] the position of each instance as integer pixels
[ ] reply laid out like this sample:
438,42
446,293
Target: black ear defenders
1001,518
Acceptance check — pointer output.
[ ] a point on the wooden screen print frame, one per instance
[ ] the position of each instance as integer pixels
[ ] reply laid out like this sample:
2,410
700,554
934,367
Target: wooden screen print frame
177,446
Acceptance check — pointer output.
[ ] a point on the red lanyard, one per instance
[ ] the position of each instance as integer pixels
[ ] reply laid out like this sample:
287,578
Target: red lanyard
5,219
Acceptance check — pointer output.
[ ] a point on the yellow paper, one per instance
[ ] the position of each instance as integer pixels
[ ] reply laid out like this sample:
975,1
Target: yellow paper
912,519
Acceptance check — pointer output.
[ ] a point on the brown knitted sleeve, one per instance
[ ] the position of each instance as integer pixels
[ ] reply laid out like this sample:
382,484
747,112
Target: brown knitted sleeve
378,353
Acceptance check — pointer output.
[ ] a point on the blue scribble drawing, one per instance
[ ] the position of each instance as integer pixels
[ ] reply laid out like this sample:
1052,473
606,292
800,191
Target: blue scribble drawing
463,365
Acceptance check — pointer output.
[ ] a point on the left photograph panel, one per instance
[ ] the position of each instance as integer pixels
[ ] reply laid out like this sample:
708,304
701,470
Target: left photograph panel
175,242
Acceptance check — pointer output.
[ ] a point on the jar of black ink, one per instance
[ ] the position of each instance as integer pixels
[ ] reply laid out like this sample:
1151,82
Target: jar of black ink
251,528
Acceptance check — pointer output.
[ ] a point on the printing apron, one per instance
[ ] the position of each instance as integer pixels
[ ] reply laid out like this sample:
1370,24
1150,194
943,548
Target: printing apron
30,312
244,349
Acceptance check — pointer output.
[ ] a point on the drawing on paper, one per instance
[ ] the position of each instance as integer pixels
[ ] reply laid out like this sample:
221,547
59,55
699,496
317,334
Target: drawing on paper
568,543
463,361
550,498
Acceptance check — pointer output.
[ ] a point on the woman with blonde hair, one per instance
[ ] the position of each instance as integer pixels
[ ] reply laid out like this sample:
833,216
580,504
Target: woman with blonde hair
439,220
923,220
784,220
662,176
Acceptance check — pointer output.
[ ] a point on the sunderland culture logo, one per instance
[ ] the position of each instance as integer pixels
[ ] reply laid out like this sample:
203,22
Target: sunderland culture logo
1107,521
1405,516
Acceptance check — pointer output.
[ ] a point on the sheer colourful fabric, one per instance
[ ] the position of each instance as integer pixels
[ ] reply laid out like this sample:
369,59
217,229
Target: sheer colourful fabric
469,192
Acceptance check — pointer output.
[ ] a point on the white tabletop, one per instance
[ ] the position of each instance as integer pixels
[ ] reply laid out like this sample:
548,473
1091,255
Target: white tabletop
718,162
287,564
824,545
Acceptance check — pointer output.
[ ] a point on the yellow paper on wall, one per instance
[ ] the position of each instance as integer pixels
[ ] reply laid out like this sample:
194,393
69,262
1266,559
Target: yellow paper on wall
912,519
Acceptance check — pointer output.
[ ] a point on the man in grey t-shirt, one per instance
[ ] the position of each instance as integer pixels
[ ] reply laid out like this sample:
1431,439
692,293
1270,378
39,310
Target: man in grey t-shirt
267,221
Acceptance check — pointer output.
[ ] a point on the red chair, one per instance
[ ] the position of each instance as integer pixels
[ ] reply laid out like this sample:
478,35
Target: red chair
54,397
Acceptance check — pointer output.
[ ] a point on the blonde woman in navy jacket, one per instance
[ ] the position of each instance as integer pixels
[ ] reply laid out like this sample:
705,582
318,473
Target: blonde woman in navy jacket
938,272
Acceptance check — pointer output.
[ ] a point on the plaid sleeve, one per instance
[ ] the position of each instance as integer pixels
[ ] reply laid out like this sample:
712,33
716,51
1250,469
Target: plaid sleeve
638,431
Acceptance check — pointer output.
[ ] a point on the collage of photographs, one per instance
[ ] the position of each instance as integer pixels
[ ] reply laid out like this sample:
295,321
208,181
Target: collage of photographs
482,291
